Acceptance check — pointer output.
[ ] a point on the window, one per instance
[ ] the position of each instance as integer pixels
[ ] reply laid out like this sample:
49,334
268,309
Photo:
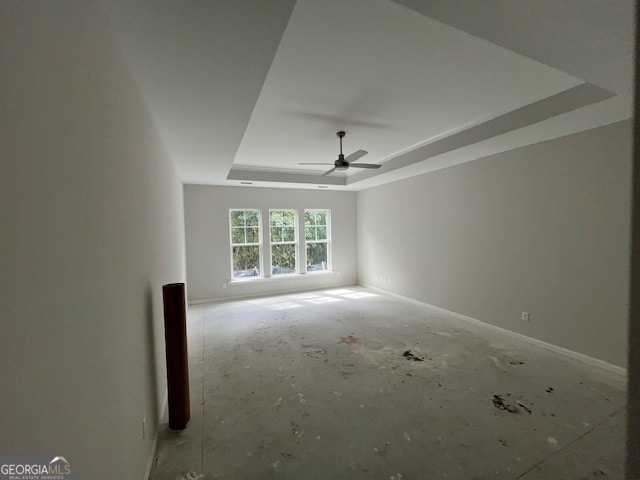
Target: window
283,240
246,249
317,237
285,247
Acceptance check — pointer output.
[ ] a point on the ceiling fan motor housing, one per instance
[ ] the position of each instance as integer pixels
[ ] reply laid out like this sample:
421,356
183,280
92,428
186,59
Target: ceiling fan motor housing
341,163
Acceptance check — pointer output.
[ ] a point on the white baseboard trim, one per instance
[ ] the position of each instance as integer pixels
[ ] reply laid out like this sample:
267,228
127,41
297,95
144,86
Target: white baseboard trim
594,362
258,295
154,445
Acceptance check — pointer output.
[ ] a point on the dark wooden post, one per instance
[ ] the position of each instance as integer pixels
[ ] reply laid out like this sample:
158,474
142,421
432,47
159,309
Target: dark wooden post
175,340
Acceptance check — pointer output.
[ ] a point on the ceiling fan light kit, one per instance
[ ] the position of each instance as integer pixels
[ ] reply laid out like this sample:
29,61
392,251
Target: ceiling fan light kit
343,163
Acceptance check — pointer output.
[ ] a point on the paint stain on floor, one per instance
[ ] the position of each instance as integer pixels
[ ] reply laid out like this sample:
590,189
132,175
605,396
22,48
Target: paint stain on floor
350,339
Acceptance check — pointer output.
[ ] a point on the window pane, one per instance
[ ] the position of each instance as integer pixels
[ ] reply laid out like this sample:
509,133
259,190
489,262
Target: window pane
316,257
315,217
289,234
289,218
282,218
246,261
237,235
309,218
321,218
237,218
321,233
310,233
276,234
253,235
251,217
283,259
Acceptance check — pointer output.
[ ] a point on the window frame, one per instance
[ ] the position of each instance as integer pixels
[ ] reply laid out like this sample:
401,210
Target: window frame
327,241
259,244
295,242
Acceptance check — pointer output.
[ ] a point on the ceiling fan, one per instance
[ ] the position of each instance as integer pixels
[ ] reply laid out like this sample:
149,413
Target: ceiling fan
343,163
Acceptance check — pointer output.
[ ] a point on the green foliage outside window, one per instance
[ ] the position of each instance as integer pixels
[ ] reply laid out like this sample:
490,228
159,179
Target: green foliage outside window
245,241
317,237
282,234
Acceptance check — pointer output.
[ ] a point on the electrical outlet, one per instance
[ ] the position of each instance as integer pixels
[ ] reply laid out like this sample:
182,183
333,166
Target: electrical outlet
525,316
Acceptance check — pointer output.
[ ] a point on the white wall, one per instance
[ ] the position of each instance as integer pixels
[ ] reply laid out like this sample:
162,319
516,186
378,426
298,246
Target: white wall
207,238
542,229
92,226
633,388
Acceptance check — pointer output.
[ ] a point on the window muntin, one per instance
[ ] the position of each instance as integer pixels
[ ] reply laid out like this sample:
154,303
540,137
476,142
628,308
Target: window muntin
246,243
317,238
283,241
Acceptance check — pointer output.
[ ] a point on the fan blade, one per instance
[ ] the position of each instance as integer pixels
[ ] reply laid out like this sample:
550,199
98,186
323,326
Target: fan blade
364,165
355,156
329,171
304,163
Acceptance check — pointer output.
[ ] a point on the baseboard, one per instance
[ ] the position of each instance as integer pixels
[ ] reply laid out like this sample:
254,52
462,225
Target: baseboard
258,295
154,445
594,362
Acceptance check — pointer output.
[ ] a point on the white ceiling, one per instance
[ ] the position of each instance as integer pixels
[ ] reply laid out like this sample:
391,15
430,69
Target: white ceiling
242,91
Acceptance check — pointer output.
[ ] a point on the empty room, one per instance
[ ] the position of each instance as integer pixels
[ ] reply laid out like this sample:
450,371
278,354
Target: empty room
403,229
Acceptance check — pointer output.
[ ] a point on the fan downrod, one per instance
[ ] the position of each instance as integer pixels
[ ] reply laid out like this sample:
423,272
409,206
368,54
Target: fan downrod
340,163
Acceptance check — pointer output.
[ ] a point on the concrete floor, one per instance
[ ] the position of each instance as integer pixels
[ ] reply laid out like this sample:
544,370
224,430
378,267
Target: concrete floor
353,384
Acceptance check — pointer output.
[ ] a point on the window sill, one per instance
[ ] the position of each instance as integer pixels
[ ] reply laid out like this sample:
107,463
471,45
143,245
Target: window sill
275,278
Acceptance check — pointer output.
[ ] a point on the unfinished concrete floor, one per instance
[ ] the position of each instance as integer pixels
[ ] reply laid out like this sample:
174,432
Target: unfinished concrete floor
352,384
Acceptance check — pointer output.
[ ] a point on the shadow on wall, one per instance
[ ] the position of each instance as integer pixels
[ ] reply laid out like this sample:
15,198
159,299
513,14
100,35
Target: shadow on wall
151,353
